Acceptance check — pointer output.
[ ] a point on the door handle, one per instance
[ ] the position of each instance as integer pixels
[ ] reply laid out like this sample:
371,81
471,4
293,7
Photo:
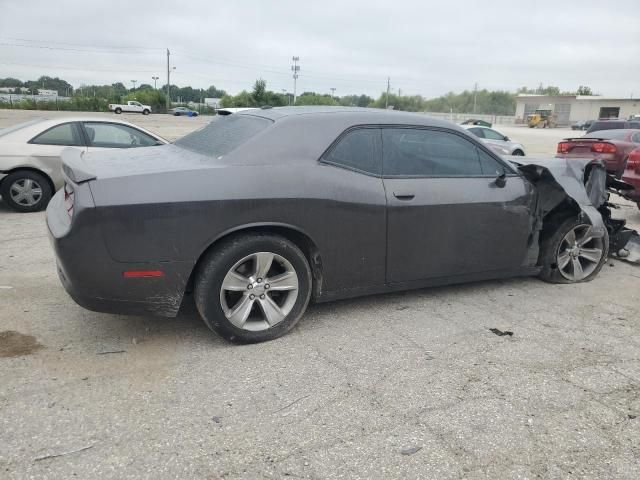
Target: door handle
404,195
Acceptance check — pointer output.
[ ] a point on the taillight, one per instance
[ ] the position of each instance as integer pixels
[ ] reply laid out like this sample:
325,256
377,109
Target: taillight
603,147
633,162
68,198
564,147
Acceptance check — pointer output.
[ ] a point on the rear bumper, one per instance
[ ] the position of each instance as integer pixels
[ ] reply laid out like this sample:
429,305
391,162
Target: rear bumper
96,282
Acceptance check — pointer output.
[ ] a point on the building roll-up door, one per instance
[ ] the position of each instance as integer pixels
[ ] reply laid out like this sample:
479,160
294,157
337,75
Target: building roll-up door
563,113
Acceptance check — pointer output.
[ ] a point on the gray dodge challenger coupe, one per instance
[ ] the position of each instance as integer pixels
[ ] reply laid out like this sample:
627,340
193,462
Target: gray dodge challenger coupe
261,212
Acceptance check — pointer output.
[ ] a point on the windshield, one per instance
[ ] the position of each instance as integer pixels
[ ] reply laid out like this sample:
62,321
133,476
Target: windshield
223,134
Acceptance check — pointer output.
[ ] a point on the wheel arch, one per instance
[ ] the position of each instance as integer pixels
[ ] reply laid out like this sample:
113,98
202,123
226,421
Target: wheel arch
34,170
295,235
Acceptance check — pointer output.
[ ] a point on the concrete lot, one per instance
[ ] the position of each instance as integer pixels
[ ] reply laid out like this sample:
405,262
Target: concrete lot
408,385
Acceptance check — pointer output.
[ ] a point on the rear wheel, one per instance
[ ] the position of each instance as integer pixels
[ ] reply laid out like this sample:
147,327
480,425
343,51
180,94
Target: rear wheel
573,253
118,110
26,191
253,288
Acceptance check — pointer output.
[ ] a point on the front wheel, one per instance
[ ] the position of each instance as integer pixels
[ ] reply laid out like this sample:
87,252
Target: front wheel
518,153
573,253
253,288
145,112
26,191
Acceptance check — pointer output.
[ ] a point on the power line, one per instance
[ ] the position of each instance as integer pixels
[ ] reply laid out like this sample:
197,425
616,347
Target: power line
118,47
45,47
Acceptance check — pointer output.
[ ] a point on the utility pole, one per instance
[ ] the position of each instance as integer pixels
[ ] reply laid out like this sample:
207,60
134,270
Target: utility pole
386,100
333,92
295,68
399,92
475,95
155,80
168,82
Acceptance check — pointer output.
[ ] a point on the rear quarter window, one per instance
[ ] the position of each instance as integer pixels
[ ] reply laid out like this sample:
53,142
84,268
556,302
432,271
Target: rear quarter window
223,134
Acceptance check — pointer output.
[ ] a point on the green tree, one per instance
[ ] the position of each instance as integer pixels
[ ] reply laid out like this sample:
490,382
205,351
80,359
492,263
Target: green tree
584,90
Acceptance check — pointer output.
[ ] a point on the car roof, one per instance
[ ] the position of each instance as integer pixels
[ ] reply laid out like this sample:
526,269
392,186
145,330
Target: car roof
357,115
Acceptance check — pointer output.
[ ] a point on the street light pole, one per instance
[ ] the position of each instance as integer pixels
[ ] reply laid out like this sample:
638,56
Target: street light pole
155,85
295,68
134,83
333,92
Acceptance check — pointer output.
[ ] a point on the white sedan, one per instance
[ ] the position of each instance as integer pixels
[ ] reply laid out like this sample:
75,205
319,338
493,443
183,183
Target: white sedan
30,164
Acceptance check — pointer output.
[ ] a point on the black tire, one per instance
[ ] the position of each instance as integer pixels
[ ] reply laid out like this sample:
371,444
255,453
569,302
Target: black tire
145,112
10,180
213,268
518,153
118,110
551,244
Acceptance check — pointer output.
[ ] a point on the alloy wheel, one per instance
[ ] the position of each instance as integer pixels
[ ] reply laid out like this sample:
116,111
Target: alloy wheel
259,291
580,253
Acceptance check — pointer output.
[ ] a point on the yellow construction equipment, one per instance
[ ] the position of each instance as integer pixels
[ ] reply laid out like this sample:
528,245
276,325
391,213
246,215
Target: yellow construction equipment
541,119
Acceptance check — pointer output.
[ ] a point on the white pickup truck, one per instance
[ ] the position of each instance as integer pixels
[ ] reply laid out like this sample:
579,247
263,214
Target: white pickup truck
130,106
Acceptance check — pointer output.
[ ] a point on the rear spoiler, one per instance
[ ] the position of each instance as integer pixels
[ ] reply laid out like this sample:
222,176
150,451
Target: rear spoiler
74,166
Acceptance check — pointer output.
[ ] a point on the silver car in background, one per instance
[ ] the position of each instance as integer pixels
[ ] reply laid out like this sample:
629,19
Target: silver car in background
493,137
30,164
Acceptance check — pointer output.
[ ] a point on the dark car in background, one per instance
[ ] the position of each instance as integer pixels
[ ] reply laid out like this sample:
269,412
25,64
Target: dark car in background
262,211
182,111
582,125
613,124
611,146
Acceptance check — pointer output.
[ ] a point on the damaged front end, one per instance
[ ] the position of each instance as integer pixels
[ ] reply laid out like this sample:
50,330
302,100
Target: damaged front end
576,187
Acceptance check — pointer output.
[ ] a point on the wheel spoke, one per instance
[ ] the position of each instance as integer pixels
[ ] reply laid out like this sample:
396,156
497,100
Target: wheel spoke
284,281
591,254
571,238
263,263
238,316
272,312
235,282
27,184
577,268
563,260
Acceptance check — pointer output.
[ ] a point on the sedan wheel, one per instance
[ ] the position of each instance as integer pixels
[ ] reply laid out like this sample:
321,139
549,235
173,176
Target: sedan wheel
259,291
26,191
252,288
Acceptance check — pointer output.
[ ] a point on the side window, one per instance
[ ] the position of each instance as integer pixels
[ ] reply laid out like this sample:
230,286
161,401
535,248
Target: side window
66,134
489,165
113,135
427,153
492,134
478,132
358,149
636,137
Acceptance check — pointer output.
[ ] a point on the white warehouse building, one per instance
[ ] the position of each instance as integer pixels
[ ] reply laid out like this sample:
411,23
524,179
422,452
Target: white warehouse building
572,108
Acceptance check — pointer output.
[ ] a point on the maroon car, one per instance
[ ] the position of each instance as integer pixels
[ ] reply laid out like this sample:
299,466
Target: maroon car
612,146
631,175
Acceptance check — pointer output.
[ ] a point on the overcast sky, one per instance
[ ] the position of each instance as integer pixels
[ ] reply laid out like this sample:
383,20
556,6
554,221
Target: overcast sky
427,48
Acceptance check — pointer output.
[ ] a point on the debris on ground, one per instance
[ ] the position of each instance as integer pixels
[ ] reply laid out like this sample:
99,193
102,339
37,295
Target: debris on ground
500,333
410,450
108,352
54,455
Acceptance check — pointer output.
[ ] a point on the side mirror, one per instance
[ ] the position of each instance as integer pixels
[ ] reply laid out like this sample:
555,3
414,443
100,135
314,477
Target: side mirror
506,139
501,180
